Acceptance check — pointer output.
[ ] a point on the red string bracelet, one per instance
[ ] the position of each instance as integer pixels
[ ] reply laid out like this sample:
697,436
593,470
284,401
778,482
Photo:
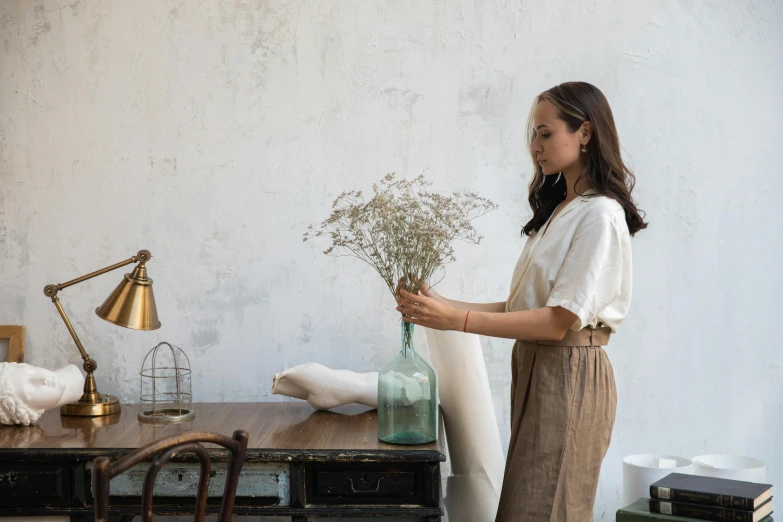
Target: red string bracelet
465,328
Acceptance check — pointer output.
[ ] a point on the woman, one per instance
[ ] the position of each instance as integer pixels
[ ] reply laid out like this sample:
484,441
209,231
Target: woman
570,290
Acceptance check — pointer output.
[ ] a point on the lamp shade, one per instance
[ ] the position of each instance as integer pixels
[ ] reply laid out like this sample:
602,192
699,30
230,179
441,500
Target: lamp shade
132,303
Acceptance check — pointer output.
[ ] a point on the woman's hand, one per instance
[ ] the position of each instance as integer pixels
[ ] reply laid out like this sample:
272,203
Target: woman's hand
425,288
427,311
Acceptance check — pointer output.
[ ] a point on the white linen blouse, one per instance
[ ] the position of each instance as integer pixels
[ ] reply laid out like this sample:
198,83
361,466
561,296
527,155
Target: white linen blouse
580,260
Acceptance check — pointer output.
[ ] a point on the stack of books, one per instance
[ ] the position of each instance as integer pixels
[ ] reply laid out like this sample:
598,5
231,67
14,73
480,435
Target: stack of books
679,497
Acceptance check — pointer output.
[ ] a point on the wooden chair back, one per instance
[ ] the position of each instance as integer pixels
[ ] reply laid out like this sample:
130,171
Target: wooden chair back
190,442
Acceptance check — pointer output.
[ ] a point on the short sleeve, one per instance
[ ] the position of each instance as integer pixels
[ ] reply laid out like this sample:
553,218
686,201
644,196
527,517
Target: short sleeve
591,275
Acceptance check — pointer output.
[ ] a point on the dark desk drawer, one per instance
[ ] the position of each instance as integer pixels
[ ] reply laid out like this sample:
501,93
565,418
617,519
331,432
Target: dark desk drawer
260,484
369,484
34,483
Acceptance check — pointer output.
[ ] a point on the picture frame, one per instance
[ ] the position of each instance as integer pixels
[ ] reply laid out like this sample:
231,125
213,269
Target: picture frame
15,336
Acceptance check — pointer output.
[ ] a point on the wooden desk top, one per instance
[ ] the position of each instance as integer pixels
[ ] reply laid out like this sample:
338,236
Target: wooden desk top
278,430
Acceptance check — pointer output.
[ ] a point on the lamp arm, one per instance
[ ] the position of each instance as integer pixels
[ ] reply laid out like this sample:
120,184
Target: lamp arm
87,361
143,256
51,291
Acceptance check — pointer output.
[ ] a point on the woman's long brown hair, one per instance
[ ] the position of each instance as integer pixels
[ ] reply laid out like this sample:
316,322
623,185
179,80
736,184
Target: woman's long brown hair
576,103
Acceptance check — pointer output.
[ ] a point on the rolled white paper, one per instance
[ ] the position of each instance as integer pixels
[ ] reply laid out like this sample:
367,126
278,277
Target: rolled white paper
730,467
469,497
472,435
640,471
666,463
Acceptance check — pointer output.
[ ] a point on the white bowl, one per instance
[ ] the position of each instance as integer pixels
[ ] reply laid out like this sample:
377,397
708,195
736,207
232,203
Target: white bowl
730,467
640,471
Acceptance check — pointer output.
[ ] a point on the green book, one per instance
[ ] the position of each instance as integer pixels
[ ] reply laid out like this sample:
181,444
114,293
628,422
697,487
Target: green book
639,511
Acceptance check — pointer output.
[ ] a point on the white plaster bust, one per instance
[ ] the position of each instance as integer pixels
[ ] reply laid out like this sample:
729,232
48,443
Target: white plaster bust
26,391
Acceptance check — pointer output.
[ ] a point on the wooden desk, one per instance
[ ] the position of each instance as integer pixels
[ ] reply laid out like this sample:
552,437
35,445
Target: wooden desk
300,463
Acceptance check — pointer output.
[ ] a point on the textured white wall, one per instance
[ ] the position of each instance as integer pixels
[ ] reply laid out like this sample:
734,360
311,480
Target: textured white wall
213,133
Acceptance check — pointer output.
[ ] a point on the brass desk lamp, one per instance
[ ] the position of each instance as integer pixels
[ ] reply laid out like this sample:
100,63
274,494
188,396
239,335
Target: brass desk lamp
131,305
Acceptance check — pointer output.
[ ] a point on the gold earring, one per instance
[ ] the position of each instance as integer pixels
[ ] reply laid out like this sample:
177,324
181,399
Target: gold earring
584,148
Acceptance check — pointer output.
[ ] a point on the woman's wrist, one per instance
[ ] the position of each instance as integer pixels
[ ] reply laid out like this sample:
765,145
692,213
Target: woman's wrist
459,320
432,293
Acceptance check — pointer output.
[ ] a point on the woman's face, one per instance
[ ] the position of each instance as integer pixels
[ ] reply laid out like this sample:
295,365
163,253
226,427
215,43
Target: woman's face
554,147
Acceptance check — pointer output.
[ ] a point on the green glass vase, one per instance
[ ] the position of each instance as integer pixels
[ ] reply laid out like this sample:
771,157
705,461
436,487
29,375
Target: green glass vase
407,397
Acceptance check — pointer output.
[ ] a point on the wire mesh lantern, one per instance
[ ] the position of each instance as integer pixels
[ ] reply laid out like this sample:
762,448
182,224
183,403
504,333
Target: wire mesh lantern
166,392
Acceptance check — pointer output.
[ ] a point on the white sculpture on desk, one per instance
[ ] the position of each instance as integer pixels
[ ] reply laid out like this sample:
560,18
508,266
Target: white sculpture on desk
26,391
477,461
324,388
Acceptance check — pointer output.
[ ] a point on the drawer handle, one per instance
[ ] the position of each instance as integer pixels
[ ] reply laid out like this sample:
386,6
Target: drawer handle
377,487
9,478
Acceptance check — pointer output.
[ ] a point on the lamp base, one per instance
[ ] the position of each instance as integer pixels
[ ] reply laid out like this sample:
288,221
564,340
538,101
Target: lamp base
104,404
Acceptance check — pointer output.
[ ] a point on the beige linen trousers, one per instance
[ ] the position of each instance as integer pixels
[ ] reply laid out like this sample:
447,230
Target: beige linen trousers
563,404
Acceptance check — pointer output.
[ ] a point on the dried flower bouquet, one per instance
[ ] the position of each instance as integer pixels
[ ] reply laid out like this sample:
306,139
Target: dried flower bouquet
404,230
